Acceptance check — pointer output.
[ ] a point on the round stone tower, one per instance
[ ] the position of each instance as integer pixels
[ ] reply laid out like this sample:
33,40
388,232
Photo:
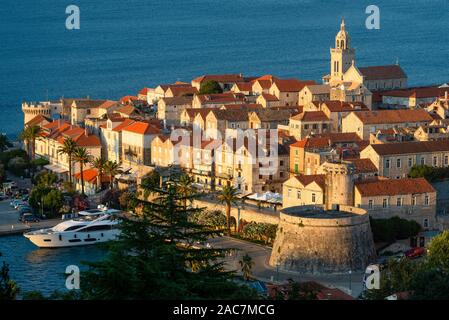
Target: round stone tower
339,187
313,240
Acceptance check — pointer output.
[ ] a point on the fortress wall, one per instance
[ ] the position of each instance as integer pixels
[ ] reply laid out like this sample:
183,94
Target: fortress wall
327,245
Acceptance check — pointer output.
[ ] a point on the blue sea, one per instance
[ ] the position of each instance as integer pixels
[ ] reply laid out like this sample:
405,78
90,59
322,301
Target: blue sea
123,46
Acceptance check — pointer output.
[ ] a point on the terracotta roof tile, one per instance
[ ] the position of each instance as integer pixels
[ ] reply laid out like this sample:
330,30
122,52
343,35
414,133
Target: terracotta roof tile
394,187
411,147
305,180
141,128
311,116
220,78
292,85
383,72
393,116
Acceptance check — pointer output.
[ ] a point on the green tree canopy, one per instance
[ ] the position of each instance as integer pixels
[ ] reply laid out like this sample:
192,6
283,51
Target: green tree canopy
157,257
210,87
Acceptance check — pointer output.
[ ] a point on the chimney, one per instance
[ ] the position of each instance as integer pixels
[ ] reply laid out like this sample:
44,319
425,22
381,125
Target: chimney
445,95
86,131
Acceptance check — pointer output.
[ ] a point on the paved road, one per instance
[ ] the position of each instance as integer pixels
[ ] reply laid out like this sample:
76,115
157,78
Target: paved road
9,223
351,284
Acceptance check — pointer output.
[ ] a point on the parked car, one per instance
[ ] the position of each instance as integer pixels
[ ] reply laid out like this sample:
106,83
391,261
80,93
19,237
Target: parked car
415,252
25,209
15,202
29,217
20,203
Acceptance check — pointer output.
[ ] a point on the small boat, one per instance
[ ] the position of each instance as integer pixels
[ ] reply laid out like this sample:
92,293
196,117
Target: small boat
89,227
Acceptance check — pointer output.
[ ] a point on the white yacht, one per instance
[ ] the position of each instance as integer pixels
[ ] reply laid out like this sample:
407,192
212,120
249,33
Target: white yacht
89,227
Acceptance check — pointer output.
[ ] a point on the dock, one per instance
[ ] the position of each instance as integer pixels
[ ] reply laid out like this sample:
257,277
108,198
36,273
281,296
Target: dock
20,228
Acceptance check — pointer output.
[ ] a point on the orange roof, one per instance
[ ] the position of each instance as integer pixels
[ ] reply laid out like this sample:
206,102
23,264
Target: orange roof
144,91
411,147
128,110
87,141
312,142
123,125
90,175
292,85
37,120
269,97
267,77
264,84
311,116
107,104
221,97
393,116
220,78
383,72
126,99
305,180
141,128
394,187
180,90
340,106
364,165
244,86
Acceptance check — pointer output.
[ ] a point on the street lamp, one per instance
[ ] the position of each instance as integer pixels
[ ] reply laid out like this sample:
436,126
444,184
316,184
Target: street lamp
277,270
350,281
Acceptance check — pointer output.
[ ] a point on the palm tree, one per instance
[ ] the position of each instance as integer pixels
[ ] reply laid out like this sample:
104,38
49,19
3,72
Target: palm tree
82,156
68,148
246,263
34,133
185,188
25,137
228,196
112,168
99,164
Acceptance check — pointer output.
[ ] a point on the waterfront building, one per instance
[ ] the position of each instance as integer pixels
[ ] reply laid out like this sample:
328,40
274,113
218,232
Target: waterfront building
136,143
226,81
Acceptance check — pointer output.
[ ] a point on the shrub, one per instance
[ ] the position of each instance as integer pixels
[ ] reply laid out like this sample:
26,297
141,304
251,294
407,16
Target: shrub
390,230
210,87
18,166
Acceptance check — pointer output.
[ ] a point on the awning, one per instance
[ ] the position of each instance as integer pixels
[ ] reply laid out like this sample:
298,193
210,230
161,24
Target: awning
55,168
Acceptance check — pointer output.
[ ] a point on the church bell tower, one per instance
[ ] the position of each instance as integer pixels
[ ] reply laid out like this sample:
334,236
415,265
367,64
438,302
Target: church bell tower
342,56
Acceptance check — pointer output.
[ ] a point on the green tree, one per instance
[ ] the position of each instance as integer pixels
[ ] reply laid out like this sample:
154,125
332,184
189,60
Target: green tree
246,265
8,288
112,169
99,164
438,251
210,87
4,143
156,257
18,166
430,284
68,148
228,196
392,229
185,187
46,179
53,202
397,276
82,156
29,135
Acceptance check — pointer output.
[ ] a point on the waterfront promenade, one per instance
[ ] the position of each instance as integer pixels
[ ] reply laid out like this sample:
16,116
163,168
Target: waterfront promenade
9,223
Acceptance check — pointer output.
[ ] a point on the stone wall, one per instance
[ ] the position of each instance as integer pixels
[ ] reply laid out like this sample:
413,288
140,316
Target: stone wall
323,244
248,214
